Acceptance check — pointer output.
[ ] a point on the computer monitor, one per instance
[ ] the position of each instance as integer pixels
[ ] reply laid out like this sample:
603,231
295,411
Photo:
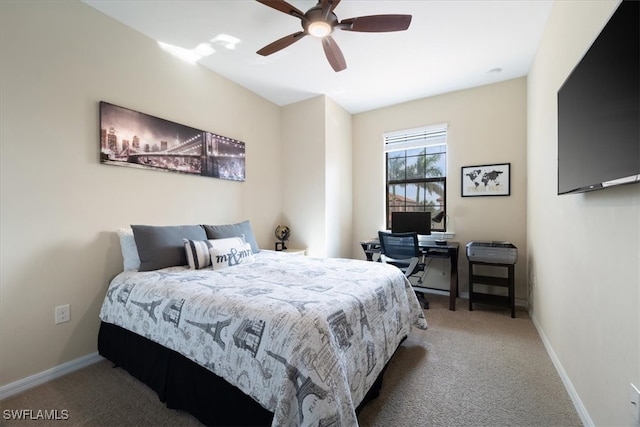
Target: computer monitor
405,222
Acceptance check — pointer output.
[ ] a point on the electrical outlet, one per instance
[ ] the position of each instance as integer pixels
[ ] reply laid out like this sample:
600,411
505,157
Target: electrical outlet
634,397
62,314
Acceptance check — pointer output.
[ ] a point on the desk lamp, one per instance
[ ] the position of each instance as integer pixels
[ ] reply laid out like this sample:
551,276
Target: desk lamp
438,218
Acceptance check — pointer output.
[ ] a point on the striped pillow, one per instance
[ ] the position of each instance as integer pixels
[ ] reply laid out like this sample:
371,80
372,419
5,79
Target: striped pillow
197,251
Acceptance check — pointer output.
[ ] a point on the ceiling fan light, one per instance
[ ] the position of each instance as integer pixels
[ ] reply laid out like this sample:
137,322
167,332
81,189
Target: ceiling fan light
319,29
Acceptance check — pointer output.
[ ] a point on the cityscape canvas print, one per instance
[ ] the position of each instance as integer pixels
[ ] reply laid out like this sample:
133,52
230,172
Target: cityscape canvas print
134,139
486,180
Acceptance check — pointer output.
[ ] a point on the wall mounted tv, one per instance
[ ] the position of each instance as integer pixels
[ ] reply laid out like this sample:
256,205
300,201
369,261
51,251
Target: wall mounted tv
599,109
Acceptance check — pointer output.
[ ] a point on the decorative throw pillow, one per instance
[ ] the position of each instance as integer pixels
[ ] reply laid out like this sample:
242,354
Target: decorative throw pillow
229,252
240,229
163,246
197,251
130,258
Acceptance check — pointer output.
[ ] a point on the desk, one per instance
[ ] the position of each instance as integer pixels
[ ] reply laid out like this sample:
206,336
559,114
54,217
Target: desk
428,249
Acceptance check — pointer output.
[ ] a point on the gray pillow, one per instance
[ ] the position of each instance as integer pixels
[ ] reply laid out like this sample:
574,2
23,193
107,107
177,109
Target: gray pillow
163,246
240,229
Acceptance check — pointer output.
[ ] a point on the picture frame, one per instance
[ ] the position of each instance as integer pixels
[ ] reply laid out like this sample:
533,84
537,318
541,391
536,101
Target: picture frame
486,180
133,139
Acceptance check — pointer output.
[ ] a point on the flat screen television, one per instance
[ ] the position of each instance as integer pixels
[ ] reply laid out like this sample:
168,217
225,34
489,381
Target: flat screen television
406,222
599,109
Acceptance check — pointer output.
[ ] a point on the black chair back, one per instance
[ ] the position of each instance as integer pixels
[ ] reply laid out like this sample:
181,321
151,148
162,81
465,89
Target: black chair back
402,251
399,245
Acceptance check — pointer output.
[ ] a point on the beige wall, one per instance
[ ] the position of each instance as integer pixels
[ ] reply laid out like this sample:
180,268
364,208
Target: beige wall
303,162
339,175
486,125
317,176
60,207
584,249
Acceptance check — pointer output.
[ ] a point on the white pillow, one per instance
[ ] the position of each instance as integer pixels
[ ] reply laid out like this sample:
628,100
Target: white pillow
229,252
197,251
130,257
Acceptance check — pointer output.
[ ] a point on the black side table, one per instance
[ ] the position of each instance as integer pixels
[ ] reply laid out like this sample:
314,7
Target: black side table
507,282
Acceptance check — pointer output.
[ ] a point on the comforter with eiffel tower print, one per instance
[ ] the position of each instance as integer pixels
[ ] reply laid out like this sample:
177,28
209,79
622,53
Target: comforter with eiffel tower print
304,337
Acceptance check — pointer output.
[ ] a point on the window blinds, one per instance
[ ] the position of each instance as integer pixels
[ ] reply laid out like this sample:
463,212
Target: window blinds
415,138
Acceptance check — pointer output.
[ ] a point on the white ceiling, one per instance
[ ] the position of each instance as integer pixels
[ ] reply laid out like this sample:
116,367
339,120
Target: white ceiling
450,45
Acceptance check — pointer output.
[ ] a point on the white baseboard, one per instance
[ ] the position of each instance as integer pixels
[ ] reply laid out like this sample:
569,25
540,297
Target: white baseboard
582,411
48,375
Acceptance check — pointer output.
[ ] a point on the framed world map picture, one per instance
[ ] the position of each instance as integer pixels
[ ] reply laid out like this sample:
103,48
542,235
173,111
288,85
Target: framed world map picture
486,180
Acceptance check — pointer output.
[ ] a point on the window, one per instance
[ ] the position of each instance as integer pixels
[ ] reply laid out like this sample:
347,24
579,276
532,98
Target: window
416,172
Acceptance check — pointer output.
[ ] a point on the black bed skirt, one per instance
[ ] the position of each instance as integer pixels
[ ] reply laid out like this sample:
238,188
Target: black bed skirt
183,384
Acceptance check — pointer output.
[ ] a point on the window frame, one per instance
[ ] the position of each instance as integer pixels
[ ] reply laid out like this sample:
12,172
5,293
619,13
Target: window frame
406,140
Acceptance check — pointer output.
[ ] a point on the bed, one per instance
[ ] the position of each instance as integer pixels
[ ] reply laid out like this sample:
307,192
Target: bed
281,339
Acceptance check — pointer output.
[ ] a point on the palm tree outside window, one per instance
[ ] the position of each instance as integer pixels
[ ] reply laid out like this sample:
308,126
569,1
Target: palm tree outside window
416,172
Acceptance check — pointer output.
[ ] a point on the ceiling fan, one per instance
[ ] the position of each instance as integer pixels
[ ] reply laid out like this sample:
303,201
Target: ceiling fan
320,21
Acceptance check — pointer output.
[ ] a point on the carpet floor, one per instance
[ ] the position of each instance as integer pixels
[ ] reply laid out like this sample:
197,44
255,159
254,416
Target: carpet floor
470,368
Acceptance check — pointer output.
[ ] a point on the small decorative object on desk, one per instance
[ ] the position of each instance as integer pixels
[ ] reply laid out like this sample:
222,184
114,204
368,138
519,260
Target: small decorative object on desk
282,233
438,219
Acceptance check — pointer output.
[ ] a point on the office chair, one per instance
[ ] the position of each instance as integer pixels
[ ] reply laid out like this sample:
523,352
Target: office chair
401,250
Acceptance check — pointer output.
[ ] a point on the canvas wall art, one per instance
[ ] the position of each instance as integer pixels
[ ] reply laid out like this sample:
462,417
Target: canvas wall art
133,139
486,180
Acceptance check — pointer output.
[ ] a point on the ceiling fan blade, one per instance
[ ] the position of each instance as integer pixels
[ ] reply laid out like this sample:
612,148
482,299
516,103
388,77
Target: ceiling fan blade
376,23
283,6
333,53
281,43
333,3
